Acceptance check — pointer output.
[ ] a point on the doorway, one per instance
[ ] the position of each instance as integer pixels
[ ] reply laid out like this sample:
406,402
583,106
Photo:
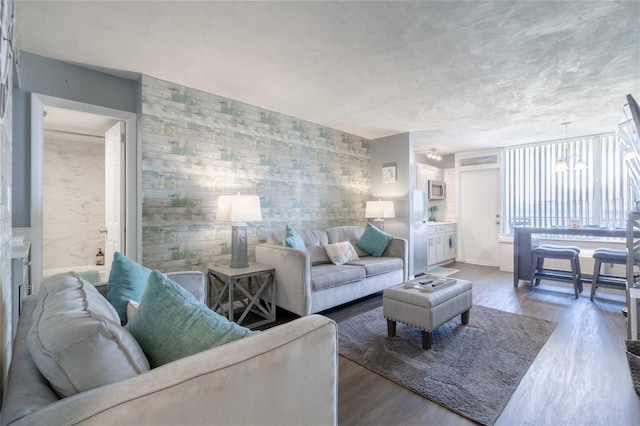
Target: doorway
75,142
480,216
73,195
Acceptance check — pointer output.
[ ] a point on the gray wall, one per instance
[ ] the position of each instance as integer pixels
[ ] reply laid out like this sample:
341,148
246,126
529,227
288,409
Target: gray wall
37,74
21,157
398,149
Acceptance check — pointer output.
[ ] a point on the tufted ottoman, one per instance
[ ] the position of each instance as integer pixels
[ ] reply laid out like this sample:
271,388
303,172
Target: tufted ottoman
426,310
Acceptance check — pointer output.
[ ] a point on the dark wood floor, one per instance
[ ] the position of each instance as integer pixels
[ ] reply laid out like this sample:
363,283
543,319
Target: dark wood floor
580,377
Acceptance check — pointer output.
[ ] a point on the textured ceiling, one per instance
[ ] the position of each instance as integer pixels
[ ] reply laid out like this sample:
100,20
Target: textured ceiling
461,75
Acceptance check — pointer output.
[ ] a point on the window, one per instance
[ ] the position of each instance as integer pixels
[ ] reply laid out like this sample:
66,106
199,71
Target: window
536,195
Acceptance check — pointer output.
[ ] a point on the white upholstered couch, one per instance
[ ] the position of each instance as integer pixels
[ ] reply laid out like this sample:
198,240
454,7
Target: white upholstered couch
306,280
229,384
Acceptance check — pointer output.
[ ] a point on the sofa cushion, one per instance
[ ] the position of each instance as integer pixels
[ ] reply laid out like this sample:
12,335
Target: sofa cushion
314,241
347,233
330,275
379,265
293,239
76,339
170,324
374,241
341,253
127,281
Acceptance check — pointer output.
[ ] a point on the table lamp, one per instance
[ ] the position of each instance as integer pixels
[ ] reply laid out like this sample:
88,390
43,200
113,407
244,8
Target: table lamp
239,209
379,210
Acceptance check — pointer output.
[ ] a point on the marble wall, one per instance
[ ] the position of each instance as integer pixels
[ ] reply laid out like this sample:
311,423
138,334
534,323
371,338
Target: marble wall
73,201
197,146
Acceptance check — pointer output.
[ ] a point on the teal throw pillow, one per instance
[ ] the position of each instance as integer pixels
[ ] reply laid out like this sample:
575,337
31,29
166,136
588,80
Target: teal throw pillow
374,241
127,281
170,324
293,239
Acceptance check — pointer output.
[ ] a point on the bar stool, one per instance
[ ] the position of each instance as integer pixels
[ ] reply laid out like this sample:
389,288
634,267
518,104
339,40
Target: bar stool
608,255
548,251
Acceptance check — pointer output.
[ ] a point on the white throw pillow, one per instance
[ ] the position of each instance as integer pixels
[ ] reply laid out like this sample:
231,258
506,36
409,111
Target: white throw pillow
341,253
76,339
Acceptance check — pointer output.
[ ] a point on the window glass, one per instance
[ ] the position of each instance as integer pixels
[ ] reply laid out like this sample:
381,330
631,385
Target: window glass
536,194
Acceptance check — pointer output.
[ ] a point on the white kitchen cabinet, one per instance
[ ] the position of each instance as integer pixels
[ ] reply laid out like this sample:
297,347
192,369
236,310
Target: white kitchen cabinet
451,239
431,250
441,242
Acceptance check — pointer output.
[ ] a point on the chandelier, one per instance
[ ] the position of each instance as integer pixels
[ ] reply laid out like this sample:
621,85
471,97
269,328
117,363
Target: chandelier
562,165
433,154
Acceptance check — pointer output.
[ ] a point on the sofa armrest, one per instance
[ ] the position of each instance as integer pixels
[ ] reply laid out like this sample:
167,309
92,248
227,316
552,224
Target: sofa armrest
232,383
399,247
26,390
193,281
292,277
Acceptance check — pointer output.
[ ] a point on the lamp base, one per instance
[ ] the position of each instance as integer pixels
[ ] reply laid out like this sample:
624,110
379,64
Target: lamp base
239,246
379,223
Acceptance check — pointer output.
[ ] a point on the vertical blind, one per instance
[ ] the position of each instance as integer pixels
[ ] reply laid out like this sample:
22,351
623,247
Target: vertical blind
536,195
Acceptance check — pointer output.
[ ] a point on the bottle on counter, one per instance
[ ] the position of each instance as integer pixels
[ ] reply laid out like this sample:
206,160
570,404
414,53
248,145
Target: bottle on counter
100,257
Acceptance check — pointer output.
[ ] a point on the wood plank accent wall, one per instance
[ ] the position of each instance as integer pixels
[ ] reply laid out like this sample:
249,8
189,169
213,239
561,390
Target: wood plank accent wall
197,146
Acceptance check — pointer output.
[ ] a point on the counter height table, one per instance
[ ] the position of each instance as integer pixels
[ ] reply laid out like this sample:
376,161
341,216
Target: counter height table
522,245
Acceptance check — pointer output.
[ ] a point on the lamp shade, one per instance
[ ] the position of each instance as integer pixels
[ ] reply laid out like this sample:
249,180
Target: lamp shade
379,209
561,166
239,208
580,165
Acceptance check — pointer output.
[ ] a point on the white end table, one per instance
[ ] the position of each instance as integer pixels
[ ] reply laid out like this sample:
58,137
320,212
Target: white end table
244,291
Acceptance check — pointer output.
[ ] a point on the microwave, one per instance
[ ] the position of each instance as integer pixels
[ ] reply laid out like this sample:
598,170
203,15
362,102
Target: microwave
437,190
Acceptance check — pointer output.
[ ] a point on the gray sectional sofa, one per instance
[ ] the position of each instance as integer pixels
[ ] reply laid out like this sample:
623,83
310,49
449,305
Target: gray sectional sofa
228,384
306,280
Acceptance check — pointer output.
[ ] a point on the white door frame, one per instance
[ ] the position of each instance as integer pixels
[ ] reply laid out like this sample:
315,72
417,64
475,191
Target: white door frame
133,159
114,180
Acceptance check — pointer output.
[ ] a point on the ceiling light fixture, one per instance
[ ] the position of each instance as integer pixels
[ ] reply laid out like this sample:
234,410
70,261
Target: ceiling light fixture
434,155
562,165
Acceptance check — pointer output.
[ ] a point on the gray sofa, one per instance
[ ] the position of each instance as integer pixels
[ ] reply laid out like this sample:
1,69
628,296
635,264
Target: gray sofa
306,280
229,384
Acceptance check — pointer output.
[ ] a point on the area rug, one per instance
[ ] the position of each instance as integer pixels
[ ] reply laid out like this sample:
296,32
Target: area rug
470,369
439,271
